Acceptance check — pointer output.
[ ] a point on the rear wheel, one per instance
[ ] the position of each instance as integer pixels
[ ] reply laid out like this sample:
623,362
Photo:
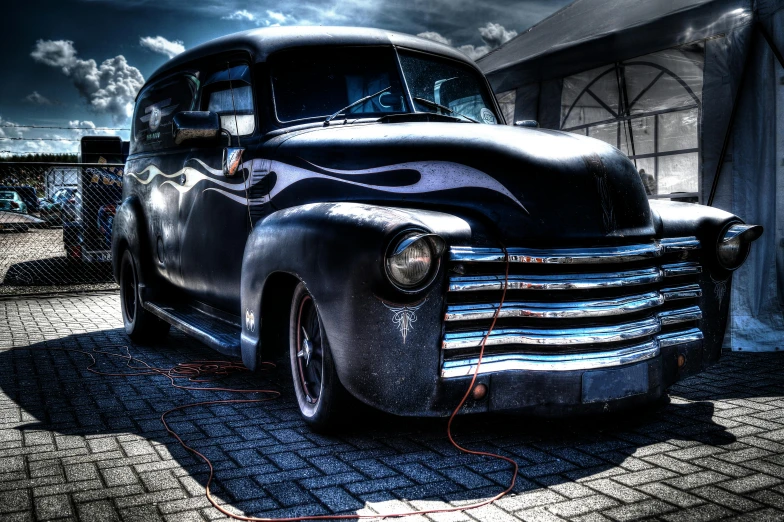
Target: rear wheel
140,325
320,395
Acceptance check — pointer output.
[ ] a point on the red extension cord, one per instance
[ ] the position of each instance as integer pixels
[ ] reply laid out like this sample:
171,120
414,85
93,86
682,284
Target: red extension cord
208,371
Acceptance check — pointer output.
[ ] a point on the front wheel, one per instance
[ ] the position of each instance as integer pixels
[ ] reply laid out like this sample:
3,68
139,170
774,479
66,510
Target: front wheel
320,395
140,325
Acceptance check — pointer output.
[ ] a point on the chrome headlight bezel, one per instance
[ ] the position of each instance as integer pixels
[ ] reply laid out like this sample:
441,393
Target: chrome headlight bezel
734,244
413,238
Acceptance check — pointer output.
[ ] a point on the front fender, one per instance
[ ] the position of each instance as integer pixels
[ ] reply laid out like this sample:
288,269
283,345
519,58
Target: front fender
337,250
708,224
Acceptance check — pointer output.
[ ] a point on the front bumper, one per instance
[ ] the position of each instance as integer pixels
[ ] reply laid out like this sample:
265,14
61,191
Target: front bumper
551,392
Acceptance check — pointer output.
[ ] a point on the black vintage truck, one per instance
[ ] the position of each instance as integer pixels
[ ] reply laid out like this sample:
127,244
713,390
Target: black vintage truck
352,197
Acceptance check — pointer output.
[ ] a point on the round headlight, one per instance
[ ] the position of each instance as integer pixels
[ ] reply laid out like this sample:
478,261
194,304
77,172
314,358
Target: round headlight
735,243
410,264
732,253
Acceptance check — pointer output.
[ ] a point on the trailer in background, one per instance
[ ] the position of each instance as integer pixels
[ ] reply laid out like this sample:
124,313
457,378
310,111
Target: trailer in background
88,237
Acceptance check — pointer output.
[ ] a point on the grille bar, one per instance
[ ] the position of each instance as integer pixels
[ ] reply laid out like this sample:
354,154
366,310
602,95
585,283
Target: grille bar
591,255
681,269
568,362
560,310
555,362
556,281
553,336
683,315
682,292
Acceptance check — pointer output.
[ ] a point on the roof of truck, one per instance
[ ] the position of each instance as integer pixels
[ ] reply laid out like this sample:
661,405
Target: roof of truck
261,43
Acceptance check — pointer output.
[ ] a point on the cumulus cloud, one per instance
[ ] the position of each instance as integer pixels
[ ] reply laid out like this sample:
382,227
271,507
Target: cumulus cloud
37,98
436,37
243,14
493,35
160,45
9,129
496,34
269,18
108,88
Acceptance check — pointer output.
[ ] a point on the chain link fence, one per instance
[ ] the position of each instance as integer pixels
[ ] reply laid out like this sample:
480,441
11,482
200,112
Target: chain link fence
55,226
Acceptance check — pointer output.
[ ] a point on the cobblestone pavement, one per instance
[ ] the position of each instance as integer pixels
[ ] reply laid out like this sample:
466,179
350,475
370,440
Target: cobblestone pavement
75,445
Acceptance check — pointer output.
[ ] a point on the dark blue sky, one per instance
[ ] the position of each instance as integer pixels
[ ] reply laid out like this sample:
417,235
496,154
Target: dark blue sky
56,73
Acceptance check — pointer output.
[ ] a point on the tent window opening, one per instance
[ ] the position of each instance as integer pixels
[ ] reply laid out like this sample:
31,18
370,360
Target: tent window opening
649,108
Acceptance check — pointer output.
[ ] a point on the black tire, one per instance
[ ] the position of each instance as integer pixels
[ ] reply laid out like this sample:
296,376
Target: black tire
140,325
320,395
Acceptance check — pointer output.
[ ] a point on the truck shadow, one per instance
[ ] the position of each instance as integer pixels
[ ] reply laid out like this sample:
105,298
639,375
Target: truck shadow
263,450
55,271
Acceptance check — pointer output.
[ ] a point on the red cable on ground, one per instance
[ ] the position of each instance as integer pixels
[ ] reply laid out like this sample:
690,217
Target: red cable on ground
208,371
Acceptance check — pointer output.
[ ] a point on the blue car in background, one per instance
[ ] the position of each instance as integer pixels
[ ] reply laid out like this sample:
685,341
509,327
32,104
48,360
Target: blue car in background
11,203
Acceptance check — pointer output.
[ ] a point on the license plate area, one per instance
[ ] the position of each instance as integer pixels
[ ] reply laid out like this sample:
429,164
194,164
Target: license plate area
615,383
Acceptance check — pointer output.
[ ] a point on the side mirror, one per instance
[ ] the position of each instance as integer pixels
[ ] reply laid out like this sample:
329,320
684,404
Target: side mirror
232,159
527,123
195,126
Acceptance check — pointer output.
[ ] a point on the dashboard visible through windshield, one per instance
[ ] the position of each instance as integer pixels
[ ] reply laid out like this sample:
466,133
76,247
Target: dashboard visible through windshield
313,84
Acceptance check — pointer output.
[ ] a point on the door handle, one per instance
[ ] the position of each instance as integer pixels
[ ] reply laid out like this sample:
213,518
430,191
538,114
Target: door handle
183,179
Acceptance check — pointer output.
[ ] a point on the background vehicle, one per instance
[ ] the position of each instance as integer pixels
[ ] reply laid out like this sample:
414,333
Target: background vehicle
87,230
350,197
60,207
28,195
11,203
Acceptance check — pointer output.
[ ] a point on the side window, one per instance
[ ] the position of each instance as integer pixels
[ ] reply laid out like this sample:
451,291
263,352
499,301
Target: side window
155,108
229,94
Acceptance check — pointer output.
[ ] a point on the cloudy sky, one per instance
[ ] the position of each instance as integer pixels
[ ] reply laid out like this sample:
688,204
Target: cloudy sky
79,63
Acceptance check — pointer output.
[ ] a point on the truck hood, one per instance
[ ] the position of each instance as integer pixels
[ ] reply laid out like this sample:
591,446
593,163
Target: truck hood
510,183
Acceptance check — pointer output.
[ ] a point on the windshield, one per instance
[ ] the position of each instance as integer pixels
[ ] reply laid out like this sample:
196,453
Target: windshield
7,195
452,85
316,83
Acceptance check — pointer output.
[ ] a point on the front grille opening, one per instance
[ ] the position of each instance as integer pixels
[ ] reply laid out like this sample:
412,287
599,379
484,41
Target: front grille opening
480,282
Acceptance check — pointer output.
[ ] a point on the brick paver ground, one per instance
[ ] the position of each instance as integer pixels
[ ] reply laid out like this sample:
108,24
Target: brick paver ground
75,445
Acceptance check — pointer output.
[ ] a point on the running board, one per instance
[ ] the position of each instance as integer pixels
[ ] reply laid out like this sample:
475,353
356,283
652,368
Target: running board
219,334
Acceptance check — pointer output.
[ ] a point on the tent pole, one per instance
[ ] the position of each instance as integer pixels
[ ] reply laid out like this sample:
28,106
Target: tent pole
736,99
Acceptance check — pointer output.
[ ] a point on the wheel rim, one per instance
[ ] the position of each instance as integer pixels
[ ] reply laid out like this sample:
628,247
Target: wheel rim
310,352
128,290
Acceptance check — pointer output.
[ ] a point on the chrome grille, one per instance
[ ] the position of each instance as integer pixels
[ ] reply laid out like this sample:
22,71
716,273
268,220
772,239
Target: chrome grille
570,308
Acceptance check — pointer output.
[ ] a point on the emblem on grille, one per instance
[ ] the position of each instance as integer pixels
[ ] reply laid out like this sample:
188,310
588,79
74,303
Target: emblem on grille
250,321
404,317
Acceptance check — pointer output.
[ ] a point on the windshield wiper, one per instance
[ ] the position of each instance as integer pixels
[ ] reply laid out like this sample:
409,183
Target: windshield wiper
358,102
444,107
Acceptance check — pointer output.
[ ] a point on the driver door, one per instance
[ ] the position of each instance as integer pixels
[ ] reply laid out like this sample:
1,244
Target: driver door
214,213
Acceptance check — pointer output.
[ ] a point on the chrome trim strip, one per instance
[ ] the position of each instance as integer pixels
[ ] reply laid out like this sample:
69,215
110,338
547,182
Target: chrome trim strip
557,310
692,313
553,336
556,281
687,336
563,362
681,269
581,256
681,292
